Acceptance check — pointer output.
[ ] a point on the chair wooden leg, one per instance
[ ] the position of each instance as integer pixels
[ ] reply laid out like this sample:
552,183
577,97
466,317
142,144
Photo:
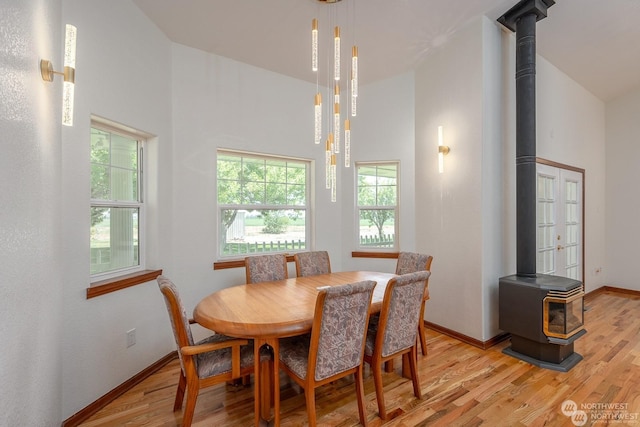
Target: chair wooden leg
182,384
388,366
360,395
413,365
422,333
310,395
193,388
377,380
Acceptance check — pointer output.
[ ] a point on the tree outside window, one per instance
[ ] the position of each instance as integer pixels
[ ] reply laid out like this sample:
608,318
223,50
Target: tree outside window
262,203
116,204
377,205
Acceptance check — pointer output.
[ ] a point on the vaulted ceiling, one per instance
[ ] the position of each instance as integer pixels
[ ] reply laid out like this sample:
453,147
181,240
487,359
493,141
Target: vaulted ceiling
595,42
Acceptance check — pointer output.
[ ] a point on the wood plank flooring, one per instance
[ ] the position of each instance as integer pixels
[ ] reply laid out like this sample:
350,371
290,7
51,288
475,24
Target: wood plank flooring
461,385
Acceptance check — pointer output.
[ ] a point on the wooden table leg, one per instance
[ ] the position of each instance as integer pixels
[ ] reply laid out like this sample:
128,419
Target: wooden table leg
258,379
275,344
266,370
267,387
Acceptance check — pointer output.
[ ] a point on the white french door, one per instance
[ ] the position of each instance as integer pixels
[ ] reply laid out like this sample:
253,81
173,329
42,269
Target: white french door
559,210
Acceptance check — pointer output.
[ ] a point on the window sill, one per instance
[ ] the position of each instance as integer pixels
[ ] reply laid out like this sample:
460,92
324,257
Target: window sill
363,254
115,284
237,263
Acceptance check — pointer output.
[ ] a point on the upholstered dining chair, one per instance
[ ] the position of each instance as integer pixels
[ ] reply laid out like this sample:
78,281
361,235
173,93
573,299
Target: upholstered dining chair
336,344
312,263
265,268
214,360
394,333
409,262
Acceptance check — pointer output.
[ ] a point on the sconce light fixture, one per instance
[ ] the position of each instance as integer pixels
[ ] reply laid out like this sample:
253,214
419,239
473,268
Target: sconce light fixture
69,74
442,150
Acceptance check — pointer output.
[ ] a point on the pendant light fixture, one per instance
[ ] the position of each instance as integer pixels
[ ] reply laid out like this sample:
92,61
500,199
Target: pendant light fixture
334,126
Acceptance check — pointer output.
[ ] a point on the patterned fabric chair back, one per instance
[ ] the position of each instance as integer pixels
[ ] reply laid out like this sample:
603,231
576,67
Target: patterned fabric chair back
403,298
177,315
312,263
345,314
410,262
266,268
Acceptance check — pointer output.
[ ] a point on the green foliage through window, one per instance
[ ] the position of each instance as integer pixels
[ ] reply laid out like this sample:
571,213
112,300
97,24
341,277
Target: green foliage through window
377,189
262,203
115,201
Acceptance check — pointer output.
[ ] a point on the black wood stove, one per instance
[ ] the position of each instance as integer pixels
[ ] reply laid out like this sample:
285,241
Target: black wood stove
543,313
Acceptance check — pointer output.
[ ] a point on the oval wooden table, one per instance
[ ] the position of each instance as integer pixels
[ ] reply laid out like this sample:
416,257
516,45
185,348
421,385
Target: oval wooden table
268,311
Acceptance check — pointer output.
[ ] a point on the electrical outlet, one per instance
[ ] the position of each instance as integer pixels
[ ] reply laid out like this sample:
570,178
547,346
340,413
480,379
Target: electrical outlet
131,337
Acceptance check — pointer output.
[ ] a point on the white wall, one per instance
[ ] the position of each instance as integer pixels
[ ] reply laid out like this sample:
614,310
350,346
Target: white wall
466,218
622,201
383,130
227,104
493,173
30,215
123,73
449,92
571,130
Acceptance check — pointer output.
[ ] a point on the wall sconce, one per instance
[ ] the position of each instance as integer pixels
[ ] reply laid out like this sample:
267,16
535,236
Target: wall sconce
69,74
442,150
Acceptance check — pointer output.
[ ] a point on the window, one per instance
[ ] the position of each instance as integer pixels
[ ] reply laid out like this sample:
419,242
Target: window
263,204
117,209
377,205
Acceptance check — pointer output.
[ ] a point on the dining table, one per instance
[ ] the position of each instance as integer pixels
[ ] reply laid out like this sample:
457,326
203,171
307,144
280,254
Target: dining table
268,311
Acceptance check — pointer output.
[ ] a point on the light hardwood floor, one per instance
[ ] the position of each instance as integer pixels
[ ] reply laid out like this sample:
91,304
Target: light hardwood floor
461,385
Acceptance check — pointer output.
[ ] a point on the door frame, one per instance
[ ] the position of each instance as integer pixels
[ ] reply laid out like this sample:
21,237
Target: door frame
581,171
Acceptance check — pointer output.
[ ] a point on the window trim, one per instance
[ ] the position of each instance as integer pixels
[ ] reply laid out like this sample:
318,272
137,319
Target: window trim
121,282
309,207
360,250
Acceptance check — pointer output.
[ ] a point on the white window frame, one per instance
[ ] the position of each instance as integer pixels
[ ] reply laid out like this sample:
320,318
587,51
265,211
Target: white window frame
307,208
142,138
395,208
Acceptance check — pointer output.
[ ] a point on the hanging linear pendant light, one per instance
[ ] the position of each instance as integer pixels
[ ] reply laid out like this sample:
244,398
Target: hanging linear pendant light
336,53
327,161
314,44
354,79
318,118
347,143
334,127
334,179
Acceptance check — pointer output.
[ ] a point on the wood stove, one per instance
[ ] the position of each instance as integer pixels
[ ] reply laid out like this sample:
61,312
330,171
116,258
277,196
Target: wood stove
543,313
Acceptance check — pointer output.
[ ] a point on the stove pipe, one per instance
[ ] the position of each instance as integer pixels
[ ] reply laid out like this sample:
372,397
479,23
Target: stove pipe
522,19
